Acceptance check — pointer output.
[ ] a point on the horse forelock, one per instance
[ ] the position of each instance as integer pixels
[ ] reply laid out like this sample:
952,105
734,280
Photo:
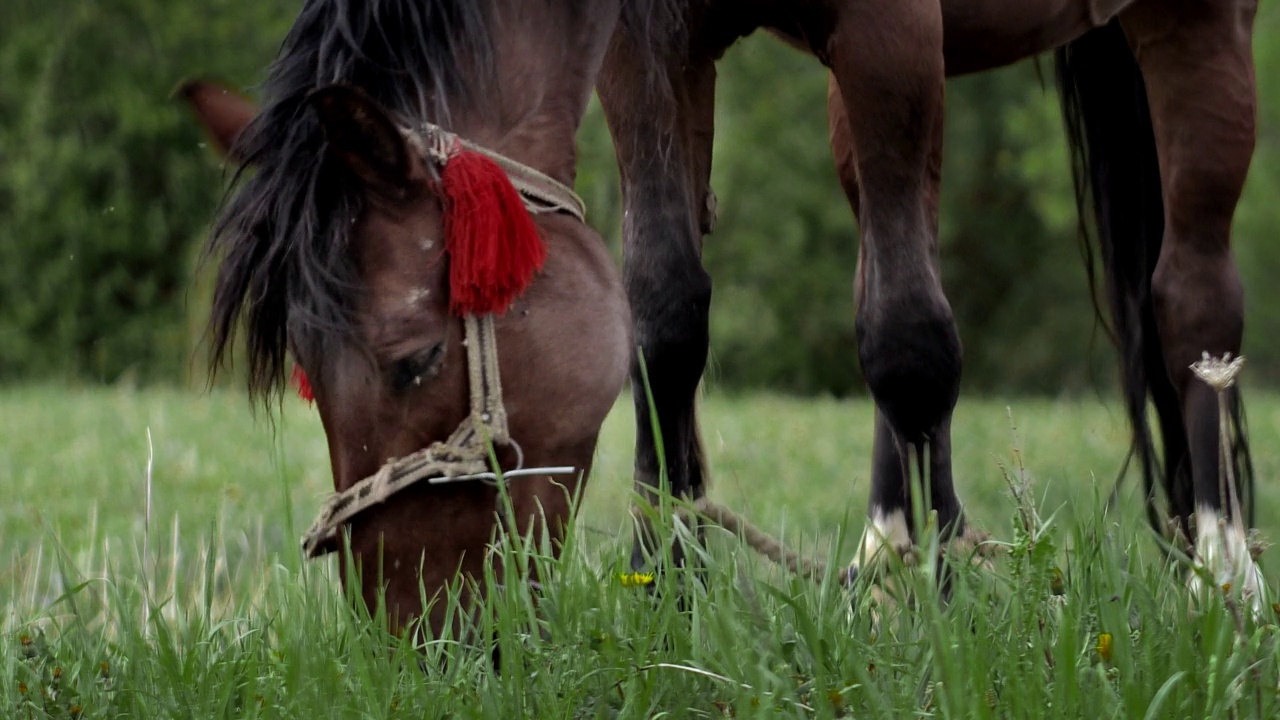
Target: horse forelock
281,236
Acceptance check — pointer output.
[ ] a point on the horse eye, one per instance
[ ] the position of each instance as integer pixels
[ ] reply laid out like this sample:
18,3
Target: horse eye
410,372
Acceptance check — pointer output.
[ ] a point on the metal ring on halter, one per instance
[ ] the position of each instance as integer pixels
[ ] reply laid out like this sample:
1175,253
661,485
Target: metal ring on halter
491,478
519,452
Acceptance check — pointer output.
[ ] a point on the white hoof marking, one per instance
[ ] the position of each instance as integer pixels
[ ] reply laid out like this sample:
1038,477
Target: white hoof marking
1222,549
887,533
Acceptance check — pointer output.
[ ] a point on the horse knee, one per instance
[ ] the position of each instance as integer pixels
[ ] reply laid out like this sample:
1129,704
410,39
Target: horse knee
671,322
911,360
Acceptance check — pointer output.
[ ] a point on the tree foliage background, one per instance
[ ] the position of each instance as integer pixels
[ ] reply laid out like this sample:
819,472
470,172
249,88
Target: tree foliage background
107,188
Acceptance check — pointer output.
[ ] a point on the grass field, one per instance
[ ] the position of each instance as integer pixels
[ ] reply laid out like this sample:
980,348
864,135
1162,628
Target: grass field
225,620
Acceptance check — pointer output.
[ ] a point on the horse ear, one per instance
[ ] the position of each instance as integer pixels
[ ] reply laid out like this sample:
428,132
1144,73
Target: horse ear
222,112
366,139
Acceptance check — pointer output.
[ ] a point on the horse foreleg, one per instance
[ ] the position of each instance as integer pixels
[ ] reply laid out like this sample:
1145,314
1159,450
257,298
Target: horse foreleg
663,144
1197,61
885,109
890,500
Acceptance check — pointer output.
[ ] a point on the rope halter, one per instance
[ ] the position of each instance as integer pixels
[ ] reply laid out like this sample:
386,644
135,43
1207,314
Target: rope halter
465,455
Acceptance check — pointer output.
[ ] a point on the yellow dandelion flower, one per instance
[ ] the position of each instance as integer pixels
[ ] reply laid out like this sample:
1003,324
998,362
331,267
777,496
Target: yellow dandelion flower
76,711
635,579
1226,587
1104,646
22,688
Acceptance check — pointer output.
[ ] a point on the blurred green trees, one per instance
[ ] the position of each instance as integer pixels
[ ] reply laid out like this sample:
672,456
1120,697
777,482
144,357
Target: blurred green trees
107,189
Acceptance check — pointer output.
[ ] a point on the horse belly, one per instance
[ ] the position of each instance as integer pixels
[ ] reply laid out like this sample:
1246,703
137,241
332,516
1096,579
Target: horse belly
984,34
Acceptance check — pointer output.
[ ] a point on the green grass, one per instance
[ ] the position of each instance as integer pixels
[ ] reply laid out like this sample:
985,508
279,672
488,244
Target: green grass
225,620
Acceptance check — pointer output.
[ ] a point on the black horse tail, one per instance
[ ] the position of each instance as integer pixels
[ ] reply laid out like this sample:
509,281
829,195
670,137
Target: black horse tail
1116,170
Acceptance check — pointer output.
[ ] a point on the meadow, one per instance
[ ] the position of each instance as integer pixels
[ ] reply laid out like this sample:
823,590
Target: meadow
195,602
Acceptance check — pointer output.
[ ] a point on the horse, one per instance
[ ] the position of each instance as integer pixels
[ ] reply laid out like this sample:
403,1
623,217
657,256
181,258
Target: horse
1159,98
402,228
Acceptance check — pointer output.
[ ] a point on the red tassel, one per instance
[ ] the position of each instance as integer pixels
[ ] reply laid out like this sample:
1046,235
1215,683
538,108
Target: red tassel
302,383
493,244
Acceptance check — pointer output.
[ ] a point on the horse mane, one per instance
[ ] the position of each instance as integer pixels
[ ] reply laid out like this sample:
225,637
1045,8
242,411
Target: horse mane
282,233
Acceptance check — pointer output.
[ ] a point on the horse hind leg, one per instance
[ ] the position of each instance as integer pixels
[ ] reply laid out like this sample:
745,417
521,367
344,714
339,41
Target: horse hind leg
1197,62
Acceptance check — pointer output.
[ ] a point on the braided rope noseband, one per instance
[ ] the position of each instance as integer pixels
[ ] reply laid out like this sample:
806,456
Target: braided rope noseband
465,455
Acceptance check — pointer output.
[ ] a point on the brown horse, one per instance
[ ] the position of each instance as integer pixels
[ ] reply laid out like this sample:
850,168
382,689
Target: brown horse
1159,97
337,248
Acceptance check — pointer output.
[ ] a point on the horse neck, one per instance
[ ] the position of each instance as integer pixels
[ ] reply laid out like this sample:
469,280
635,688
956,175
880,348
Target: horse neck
547,56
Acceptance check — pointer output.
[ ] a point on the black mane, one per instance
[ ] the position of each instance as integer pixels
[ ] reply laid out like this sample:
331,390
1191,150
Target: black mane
282,234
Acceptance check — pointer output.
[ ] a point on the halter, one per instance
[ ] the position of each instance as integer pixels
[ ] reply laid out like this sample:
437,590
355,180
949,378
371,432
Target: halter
542,194
465,456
